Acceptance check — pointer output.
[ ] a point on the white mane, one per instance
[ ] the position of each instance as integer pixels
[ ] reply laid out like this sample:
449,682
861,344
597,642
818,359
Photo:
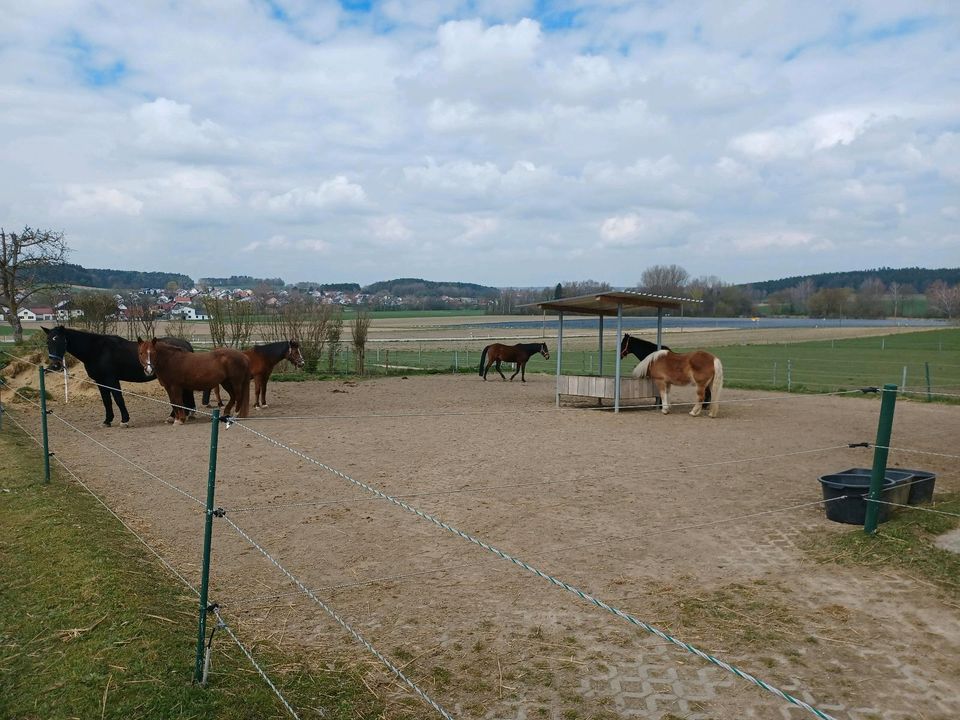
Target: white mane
644,365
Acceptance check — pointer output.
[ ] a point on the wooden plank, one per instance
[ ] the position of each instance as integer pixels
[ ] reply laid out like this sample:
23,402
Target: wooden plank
604,387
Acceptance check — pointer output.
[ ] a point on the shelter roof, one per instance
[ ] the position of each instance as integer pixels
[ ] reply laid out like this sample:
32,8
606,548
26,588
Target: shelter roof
606,303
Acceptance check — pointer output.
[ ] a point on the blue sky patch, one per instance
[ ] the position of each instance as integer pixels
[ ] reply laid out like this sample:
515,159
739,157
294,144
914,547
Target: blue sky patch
92,64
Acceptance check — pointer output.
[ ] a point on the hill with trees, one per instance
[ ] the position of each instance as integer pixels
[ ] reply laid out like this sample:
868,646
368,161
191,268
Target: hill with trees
70,274
417,287
918,278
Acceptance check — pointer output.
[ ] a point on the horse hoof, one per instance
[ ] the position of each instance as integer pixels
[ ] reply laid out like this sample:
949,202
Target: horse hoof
124,424
207,405
169,420
106,423
264,405
178,421
665,411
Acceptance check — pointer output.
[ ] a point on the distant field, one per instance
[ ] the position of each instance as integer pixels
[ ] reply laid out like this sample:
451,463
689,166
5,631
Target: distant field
816,366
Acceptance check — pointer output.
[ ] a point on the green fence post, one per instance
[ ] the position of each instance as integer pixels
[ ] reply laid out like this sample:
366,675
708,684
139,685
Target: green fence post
880,451
207,536
43,426
789,375
926,367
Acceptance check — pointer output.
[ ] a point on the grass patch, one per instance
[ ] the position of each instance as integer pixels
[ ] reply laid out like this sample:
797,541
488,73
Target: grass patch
92,627
824,365
904,543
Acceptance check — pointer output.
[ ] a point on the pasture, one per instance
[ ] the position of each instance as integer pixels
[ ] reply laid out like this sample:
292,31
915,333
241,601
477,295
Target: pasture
666,518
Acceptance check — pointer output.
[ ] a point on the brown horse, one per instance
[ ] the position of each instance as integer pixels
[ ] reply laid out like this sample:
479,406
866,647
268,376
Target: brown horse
667,368
178,370
518,354
263,358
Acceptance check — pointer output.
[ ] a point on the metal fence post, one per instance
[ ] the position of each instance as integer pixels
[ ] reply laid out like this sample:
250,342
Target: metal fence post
43,426
789,375
926,367
207,537
880,451
774,373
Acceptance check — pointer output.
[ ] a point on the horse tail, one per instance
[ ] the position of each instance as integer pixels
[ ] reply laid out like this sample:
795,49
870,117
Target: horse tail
716,385
483,359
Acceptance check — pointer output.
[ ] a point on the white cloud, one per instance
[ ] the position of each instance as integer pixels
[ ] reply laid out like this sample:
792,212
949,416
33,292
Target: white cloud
397,139
475,231
166,127
91,201
648,227
390,230
336,192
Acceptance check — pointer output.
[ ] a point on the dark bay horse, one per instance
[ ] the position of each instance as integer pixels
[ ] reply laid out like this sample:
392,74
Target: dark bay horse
263,358
667,368
519,354
108,359
179,371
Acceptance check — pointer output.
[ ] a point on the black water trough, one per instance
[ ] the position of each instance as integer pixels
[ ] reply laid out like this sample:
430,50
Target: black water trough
921,486
855,484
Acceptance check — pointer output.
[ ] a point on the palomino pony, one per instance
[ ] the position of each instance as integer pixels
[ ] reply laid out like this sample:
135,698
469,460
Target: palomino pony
518,354
263,358
178,371
667,368
108,359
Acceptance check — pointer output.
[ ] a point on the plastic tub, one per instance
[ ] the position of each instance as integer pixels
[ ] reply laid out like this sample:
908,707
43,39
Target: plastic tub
853,508
921,486
900,477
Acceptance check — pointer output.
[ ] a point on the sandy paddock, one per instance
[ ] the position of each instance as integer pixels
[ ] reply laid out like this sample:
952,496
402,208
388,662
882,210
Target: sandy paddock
617,505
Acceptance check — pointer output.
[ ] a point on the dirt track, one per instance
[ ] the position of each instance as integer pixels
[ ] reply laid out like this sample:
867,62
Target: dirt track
608,503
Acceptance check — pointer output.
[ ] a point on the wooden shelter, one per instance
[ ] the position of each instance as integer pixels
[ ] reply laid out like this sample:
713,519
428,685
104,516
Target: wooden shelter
608,304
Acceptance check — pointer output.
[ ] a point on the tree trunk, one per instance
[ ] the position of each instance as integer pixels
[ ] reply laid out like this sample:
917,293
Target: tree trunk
17,328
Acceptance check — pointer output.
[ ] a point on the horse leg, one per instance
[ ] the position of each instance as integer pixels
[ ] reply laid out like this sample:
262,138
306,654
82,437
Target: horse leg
664,387
175,393
118,399
206,398
497,366
107,406
519,368
698,406
259,391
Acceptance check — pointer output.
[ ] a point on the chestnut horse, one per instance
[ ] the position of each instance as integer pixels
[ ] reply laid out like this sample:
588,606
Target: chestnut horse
108,359
263,358
518,354
178,370
667,368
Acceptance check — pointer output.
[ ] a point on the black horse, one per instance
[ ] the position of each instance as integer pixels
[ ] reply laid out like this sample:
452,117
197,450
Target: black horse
642,348
108,359
518,354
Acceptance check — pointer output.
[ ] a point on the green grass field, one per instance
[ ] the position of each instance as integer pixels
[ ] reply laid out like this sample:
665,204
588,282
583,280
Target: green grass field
91,626
813,366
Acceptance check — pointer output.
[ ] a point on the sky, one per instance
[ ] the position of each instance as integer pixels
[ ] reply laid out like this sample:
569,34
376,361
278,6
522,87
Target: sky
502,142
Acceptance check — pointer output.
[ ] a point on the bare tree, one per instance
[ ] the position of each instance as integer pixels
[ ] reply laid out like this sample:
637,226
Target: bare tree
360,327
664,280
23,258
215,310
801,293
240,322
944,299
141,316
99,312
334,333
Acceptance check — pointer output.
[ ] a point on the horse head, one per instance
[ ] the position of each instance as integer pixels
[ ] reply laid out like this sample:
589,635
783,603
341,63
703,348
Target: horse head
625,345
294,355
147,353
56,347
544,351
